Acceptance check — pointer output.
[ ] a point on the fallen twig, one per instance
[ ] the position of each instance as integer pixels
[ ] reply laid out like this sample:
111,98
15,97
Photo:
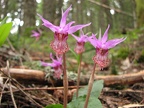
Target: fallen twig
11,92
42,88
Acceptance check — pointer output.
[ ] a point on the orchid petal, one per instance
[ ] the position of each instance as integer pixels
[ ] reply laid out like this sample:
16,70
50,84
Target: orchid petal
81,32
93,42
48,24
59,59
77,38
93,36
77,27
47,64
34,31
51,27
99,34
105,36
35,34
51,56
67,27
84,38
64,16
114,42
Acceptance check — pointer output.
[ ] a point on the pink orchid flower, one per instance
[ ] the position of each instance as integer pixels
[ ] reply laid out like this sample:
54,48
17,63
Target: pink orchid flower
102,46
59,44
36,34
80,42
56,65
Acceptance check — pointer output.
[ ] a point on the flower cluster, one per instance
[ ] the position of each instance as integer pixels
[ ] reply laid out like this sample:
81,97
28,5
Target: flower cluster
56,64
102,46
60,46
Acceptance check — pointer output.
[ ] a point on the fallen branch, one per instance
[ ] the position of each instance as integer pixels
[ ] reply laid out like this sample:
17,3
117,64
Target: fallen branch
42,88
126,79
24,74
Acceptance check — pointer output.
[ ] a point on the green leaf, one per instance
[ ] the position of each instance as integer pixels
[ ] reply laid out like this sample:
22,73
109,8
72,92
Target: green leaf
4,32
94,103
77,103
55,106
80,101
93,100
96,90
3,21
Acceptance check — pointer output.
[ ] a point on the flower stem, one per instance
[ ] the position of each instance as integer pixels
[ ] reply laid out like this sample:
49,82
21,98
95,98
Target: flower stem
65,82
79,72
90,84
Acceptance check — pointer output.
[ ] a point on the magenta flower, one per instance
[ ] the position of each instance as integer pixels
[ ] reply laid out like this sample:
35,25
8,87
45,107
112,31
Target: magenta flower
36,34
56,65
80,42
59,44
102,46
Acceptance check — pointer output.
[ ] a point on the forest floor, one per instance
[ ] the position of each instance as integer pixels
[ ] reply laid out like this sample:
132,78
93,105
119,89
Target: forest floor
27,93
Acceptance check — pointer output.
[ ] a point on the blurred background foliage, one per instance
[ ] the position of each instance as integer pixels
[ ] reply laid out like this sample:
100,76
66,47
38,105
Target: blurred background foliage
126,18
120,14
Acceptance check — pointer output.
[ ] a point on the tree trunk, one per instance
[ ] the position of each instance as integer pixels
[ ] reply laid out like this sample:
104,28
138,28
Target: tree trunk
49,10
0,9
4,8
29,17
101,18
108,14
140,12
59,12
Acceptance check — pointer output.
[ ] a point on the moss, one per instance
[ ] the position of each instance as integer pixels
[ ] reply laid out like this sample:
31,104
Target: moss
123,53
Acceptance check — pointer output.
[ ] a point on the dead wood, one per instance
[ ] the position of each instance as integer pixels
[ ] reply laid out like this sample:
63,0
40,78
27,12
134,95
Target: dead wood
125,79
24,74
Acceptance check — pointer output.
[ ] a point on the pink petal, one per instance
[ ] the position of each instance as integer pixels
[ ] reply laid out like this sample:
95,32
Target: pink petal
67,27
35,34
51,56
77,38
81,32
34,31
57,61
112,43
83,38
93,42
105,36
59,58
64,16
77,27
93,36
47,64
48,24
